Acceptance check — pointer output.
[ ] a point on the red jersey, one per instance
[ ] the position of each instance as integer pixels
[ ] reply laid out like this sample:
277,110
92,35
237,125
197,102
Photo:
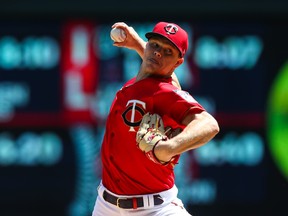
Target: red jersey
126,169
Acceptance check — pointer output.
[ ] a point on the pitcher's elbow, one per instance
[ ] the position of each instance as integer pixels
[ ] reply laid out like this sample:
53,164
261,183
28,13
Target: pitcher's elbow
215,128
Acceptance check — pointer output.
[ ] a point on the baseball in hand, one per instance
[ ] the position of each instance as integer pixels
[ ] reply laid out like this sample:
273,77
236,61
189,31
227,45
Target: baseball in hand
118,35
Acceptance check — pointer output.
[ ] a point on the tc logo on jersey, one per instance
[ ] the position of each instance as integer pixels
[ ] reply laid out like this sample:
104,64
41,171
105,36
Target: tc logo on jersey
132,116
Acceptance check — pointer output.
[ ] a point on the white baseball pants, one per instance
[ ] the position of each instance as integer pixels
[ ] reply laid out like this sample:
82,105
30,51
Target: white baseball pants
172,206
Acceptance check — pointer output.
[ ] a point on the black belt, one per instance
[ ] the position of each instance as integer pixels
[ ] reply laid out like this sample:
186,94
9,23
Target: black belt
129,203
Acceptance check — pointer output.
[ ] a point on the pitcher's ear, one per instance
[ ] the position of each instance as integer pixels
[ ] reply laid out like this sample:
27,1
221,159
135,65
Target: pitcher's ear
179,62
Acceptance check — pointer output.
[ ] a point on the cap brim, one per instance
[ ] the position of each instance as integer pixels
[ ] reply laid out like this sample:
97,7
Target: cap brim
148,35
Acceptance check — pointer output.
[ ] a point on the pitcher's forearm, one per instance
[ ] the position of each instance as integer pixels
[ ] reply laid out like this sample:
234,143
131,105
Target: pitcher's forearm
201,129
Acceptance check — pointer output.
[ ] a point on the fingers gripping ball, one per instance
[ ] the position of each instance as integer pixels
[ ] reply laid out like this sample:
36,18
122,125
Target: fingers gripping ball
118,35
151,131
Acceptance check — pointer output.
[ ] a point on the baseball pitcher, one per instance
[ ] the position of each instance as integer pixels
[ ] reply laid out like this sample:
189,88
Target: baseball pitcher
151,122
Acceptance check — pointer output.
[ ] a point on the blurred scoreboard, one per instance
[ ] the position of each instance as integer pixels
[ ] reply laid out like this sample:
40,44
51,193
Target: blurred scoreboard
58,79
29,68
48,73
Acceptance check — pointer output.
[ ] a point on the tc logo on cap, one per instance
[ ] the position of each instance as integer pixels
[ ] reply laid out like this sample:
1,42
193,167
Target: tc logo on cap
174,33
171,29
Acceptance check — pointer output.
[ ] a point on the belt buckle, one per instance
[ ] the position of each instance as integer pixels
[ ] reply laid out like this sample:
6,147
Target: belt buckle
118,201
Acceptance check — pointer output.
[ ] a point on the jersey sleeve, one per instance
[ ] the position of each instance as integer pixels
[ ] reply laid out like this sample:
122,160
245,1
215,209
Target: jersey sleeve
175,103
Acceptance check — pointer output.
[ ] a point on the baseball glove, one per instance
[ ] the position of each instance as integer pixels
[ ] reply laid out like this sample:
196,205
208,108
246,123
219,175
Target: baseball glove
151,131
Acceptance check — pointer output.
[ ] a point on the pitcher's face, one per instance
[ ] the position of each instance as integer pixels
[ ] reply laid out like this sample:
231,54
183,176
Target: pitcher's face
161,57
